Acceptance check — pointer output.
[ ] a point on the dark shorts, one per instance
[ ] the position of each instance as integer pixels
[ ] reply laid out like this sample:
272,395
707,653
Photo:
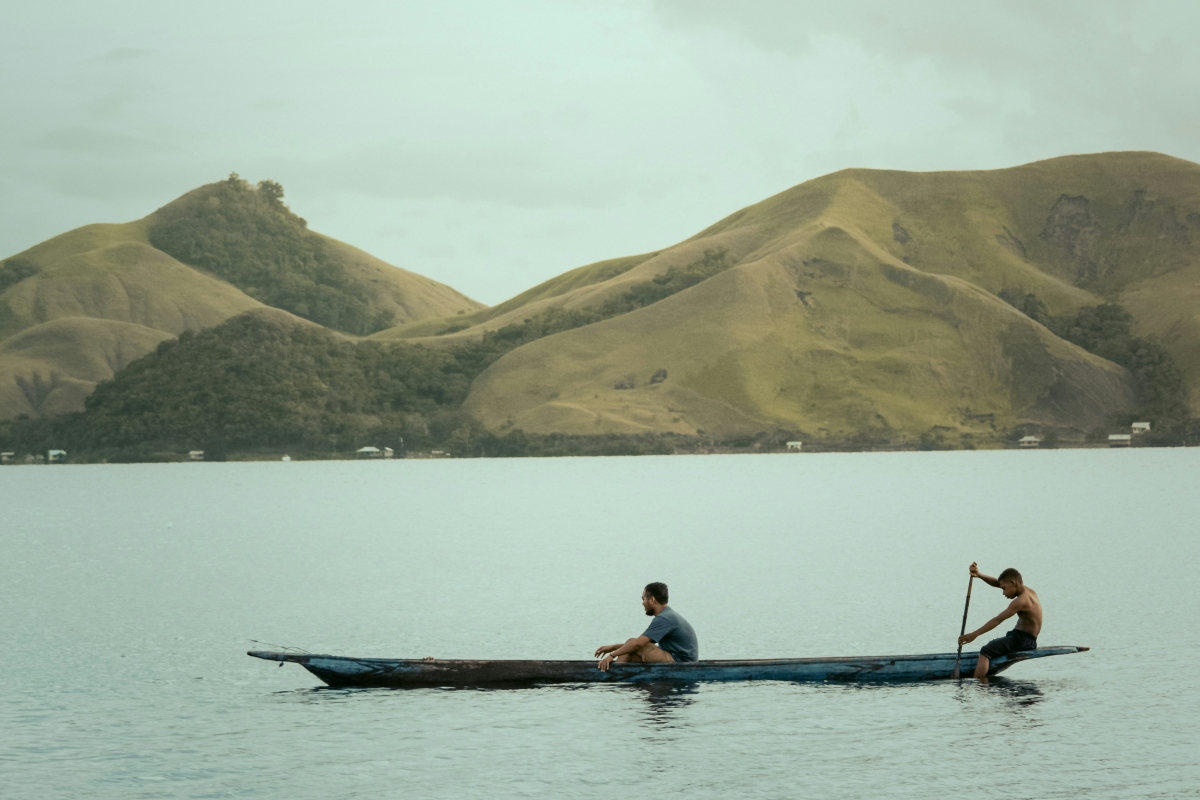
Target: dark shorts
1012,642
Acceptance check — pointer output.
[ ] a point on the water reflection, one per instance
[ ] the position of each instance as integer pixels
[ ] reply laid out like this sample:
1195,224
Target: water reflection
662,700
1017,694
1017,698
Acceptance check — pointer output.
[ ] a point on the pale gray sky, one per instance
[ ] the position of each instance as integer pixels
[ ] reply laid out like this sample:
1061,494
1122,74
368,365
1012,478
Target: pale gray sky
492,145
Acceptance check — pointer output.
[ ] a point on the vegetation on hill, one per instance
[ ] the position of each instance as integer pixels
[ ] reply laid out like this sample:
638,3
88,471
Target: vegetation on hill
558,319
1107,331
15,270
248,236
254,382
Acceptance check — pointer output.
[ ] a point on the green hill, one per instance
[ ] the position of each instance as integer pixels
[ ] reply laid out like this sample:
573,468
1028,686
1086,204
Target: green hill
79,307
866,303
247,236
861,307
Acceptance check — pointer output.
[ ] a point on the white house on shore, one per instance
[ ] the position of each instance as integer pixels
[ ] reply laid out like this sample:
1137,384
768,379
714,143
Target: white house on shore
1029,442
56,456
795,447
195,455
1120,440
7,457
1140,427
375,452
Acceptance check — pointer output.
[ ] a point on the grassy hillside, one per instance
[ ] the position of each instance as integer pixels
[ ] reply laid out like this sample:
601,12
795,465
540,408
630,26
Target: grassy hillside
96,298
558,286
865,302
50,368
248,236
861,307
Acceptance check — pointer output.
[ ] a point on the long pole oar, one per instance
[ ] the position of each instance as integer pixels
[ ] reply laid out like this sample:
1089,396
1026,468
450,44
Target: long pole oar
955,674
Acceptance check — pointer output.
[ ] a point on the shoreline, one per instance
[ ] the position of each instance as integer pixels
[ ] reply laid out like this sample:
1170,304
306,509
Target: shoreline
286,456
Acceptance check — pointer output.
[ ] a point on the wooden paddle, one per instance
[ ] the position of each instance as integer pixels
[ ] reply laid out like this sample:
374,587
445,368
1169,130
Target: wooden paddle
955,674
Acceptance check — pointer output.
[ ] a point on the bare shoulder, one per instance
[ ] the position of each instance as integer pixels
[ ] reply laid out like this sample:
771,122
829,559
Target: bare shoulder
1030,597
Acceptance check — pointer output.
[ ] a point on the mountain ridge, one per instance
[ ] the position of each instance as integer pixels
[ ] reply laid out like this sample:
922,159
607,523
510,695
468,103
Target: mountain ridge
861,306
1029,243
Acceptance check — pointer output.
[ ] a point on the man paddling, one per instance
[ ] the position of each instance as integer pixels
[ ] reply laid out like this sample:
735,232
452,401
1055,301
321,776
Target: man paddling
1028,610
669,637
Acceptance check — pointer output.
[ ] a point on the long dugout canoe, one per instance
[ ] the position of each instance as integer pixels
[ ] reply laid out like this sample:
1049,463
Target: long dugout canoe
415,673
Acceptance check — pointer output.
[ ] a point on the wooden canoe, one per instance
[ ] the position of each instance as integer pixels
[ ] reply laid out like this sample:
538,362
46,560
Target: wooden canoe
414,673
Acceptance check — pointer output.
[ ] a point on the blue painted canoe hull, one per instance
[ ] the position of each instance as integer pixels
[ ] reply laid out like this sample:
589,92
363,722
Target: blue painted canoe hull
406,673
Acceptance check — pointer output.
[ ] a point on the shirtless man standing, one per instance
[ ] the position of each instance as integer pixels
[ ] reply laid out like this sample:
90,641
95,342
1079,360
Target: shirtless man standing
1028,609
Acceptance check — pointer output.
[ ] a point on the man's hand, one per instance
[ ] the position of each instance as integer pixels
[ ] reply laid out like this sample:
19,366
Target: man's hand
605,663
967,638
974,570
608,648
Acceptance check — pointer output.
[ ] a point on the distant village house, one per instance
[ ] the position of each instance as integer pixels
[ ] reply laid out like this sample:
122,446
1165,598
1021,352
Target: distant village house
375,452
1029,442
1120,440
195,455
1140,427
56,456
795,447
6,458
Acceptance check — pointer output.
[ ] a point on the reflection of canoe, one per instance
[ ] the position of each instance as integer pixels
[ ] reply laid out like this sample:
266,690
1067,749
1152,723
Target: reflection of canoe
405,672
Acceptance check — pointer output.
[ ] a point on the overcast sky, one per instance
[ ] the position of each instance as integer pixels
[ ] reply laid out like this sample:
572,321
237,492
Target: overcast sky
494,144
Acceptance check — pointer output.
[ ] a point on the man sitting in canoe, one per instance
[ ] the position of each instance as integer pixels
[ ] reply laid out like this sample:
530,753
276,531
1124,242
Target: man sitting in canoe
1028,609
669,637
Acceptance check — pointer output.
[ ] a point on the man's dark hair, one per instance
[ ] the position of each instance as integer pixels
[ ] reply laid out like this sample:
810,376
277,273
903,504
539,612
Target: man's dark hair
1010,574
658,591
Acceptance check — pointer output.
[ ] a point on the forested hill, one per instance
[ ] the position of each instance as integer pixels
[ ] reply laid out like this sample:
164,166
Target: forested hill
78,308
248,236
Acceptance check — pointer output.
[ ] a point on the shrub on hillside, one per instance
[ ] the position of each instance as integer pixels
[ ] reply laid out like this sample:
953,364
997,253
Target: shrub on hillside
660,287
15,270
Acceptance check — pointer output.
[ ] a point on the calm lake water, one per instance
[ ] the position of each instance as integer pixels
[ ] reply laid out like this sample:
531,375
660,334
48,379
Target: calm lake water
129,595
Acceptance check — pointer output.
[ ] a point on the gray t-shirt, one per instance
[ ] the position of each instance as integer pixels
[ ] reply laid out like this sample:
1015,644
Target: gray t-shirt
672,633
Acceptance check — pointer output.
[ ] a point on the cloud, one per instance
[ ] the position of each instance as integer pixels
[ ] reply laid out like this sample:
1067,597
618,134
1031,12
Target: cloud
489,170
111,103
1079,70
120,55
88,141
268,105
